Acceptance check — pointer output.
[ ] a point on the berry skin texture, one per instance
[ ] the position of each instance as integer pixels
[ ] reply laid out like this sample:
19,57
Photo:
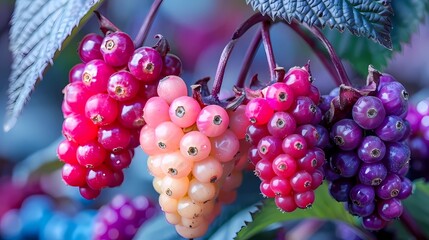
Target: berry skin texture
284,165
286,203
96,76
372,174
299,80
394,98
171,87
79,129
195,146
372,149
75,73
279,96
91,154
146,64
304,200
225,146
66,151
74,175
89,47
117,48
89,193
114,137
346,134
212,121
122,86
368,112
281,124
258,111
75,96
184,111
156,111
101,109
295,145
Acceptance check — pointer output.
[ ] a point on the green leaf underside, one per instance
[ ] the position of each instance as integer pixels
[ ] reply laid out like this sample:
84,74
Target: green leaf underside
39,28
408,14
366,18
325,207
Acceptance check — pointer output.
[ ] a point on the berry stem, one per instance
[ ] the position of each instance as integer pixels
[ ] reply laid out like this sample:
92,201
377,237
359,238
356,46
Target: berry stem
220,72
334,57
411,225
248,59
266,39
250,22
312,42
144,29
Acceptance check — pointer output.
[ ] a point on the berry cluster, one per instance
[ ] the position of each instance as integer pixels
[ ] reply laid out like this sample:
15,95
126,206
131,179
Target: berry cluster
103,108
418,117
122,217
285,140
191,154
369,157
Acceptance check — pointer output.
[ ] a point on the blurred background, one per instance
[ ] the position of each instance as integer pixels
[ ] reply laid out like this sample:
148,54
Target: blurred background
197,32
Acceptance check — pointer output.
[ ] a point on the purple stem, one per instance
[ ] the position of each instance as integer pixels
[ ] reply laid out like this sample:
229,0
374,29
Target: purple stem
220,72
250,22
334,57
266,39
144,29
248,59
411,225
312,42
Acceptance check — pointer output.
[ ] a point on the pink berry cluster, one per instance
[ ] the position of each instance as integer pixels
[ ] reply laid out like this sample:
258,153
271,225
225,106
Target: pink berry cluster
192,154
122,217
285,140
369,158
103,108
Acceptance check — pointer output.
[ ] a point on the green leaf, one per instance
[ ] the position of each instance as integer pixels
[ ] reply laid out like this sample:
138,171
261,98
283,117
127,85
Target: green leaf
362,52
367,18
39,28
325,207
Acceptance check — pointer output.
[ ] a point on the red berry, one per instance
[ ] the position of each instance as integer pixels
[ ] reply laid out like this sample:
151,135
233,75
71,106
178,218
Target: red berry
305,199
89,47
301,181
79,129
91,154
117,49
295,145
66,151
265,189
258,111
96,76
89,193
75,73
264,170
101,109
284,165
74,175
285,203
299,80
99,177
146,64
122,86
114,137
280,186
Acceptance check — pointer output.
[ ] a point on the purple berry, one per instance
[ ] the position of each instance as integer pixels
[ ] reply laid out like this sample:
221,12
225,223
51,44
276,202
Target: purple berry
361,211
397,155
117,49
323,136
390,209
362,195
406,189
394,98
96,75
269,147
304,110
373,222
346,134
325,103
372,173
172,65
368,112
390,187
392,129
372,149
340,189
345,163
255,133
310,133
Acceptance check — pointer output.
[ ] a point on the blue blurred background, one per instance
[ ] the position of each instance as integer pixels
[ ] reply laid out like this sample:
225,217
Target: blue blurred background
197,32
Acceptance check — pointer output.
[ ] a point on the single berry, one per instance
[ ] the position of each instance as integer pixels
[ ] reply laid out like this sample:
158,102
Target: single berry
301,181
280,186
172,65
281,124
392,129
264,170
390,187
184,111
101,109
390,209
75,73
372,149
394,98
305,111
368,112
299,80
295,145
122,86
346,134
362,195
279,96
89,47
79,129
195,146
258,111
304,199
146,64
114,137
171,87
117,48
372,173
269,147
74,175
96,76
213,120
284,165
155,111
131,113
340,189
91,154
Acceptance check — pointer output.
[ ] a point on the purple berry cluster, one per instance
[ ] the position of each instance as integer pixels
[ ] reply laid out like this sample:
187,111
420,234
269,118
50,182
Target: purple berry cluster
285,140
122,217
418,117
369,156
103,108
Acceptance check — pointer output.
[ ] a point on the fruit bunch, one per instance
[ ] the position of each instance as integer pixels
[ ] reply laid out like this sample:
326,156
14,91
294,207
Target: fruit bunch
103,108
122,217
192,155
285,140
418,117
369,157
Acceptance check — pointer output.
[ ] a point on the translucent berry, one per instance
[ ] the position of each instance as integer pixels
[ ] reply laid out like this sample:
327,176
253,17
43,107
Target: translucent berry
117,48
225,147
96,76
238,122
89,47
195,146
368,112
176,165
372,149
255,133
75,96
101,109
397,155
265,188
168,136
373,222
66,151
131,113
184,111
295,145
175,187
208,170
114,137
264,170
280,186
345,163
122,86
201,192
146,64
284,165
121,160
390,209
147,143
279,96
346,134
74,175
310,133
213,120
156,111
75,73
301,181
91,154
305,111
299,80
258,111
171,87
89,193
406,189
281,124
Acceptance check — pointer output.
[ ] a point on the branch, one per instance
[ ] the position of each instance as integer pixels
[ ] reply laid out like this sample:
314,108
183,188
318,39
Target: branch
144,29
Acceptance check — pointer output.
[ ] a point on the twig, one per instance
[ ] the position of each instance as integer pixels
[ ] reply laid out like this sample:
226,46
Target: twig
144,29
248,58
220,72
266,39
